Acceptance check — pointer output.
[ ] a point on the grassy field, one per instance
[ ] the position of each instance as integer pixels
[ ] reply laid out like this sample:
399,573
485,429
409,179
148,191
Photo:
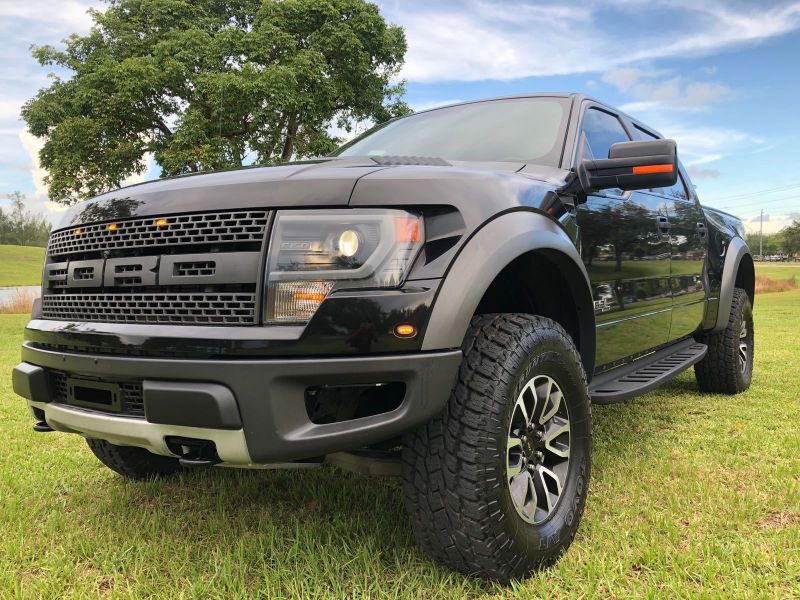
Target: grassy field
692,495
20,265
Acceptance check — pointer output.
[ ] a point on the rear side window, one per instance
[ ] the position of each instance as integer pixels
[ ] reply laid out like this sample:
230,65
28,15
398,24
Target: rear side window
640,135
602,130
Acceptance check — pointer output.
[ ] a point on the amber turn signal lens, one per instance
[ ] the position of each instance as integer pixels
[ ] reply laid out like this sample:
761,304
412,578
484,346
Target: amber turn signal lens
648,169
77,232
309,296
405,331
161,222
407,230
112,227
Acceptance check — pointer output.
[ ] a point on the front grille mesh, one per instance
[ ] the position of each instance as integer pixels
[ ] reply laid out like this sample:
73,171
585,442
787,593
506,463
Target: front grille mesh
202,229
159,308
115,272
132,397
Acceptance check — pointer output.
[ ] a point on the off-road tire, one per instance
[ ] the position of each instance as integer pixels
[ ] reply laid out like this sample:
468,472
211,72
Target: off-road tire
720,371
132,462
455,480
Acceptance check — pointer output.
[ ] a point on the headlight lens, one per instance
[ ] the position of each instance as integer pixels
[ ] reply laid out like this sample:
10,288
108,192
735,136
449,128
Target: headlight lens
314,252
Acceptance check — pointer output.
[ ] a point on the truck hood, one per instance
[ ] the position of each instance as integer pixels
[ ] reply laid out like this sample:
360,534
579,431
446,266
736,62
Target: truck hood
320,183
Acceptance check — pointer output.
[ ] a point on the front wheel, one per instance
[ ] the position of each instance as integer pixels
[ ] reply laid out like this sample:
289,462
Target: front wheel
495,486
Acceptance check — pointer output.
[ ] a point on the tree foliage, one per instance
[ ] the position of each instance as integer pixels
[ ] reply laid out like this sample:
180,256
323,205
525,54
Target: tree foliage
786,241
210,84
21,227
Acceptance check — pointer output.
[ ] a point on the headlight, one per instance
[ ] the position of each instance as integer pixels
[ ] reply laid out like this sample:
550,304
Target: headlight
314,252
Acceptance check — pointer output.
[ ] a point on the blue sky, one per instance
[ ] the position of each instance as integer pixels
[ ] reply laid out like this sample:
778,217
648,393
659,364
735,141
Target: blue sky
721,77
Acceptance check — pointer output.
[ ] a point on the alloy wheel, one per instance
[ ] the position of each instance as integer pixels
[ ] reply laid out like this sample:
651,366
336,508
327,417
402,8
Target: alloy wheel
537,459
743,345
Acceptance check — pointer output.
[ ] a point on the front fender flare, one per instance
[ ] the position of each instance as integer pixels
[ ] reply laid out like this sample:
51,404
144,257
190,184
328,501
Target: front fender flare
485,255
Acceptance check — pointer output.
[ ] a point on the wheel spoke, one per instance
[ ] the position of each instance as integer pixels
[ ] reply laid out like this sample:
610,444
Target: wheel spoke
520,407
520,486
514,460
540,386
543,474
555,429
530,508
552,403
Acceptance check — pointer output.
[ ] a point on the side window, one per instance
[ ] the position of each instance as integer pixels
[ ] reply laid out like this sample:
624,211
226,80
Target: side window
602,130
640,135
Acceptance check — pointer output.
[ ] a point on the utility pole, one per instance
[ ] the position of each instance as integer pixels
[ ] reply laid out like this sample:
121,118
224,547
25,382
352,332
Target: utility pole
761,237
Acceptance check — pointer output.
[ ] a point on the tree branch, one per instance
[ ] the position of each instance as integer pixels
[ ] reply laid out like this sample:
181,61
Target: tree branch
288,142
162,127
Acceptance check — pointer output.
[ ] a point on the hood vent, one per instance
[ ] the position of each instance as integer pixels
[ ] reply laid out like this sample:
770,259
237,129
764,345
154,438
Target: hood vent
410,161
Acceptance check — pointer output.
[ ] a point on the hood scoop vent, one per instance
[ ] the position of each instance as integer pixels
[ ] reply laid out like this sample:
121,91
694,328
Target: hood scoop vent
410,161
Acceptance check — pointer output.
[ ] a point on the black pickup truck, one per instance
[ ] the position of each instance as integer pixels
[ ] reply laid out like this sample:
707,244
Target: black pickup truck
446,296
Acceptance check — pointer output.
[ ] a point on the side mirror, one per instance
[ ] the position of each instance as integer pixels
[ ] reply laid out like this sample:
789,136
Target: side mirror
632,166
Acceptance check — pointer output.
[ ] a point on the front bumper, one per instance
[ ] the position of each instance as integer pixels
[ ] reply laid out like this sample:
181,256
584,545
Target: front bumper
269,395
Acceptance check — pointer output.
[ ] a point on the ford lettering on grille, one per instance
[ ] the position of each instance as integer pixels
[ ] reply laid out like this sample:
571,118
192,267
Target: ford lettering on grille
193,269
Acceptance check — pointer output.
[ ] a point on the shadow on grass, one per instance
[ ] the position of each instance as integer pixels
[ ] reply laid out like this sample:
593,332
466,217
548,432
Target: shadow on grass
294,517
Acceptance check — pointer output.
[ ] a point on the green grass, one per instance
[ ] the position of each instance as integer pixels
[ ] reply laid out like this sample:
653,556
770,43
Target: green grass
692,495
20,265
778,270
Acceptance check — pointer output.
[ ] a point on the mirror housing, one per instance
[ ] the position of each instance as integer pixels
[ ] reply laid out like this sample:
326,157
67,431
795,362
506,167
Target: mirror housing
632,166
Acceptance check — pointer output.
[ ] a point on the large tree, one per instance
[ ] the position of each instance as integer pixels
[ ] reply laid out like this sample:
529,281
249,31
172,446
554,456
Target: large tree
210,84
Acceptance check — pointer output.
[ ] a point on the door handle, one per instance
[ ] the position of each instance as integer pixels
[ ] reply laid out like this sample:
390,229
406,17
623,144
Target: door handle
701,230
663,224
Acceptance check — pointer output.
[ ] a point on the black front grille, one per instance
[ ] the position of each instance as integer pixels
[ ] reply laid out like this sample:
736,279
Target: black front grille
132,398
152,234
166,309
184,269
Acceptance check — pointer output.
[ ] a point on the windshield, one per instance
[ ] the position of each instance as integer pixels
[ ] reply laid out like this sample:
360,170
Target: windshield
516,130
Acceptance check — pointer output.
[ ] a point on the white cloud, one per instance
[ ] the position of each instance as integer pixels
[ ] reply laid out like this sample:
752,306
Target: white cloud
433,104
68,15
650,91
471,40
700,173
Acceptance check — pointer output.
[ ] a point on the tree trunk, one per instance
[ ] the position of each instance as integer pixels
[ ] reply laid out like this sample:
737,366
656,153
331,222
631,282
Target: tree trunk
288,143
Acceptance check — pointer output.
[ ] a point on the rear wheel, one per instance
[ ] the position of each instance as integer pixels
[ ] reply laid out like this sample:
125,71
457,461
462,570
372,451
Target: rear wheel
728,365
132,462
495,486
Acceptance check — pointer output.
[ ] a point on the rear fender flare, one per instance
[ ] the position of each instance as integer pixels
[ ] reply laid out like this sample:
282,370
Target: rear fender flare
484,257
736,251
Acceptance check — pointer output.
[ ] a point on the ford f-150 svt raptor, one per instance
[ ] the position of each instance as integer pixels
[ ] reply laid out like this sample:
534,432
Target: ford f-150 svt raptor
456,286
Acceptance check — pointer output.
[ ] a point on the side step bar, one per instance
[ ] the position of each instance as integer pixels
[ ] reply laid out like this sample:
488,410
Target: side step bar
646,373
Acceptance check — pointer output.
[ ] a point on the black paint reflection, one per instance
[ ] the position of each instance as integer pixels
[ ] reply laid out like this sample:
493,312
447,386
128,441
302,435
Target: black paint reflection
628,262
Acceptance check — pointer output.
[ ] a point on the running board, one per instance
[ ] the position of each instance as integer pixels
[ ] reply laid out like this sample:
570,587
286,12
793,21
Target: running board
646,373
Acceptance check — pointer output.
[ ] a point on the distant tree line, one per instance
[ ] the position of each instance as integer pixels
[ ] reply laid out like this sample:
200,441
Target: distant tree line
21,227
786,241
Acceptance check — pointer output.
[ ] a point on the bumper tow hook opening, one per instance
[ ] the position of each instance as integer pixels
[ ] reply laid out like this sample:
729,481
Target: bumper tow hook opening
193,452
42,427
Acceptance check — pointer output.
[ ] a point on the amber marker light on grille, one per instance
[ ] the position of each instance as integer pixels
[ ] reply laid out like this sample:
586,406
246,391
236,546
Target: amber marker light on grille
647,169
161,222
405,331
77,232
112,227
